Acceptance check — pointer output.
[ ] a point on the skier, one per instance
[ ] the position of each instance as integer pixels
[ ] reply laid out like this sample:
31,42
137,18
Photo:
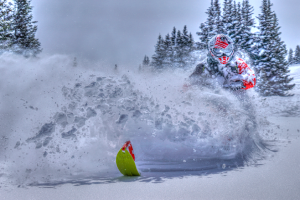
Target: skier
224,66
229,71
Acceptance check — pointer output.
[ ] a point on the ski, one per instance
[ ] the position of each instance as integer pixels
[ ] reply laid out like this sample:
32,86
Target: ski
125,160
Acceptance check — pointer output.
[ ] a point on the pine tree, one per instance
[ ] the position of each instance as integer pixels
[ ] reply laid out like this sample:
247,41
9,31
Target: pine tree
178,50
173,51
237,37
218,23
173,36
297,55
24,41
291,57
191,48
231,27
213,25
226,17
206,28
274,78
235,28
185,48
169,50
6,14
191,43
263,39
146,61
185,36
248,23
160,53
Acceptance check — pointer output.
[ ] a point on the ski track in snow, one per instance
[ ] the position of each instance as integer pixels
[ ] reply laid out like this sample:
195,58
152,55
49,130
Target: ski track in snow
63,123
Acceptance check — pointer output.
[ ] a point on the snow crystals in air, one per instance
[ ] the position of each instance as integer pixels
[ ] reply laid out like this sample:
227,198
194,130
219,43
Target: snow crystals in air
85,115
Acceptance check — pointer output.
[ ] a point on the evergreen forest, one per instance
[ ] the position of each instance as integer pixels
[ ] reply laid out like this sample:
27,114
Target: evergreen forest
17,28
265,48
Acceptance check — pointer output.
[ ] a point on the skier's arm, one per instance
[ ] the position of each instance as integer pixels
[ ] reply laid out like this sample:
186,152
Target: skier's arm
196,77
247,75
198,70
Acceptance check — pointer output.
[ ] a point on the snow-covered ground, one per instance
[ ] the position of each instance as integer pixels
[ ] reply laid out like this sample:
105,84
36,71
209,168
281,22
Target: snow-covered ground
62,125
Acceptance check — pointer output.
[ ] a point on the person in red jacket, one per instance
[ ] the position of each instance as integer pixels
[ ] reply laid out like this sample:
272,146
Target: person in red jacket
224,66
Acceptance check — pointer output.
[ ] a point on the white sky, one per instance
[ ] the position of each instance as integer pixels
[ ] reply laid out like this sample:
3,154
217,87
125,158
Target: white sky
121,31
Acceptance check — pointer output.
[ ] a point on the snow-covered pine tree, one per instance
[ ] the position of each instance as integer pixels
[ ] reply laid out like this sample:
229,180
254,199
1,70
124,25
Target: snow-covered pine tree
213,25
174,50
178,50
173,36
218,23
168,51
297,55
291,57
235,30
274,78
173,42
185,47
185,36
146,61
262,48
248,23
24,40
231,27
203,34
160,53
281,76
206,28
191,43
238,26
6,14
226,17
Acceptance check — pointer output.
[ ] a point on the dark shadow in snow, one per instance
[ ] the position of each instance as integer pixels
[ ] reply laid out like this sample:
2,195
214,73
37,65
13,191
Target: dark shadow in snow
163,171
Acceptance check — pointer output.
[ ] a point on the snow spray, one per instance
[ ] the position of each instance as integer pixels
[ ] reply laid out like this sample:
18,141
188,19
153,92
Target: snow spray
60,120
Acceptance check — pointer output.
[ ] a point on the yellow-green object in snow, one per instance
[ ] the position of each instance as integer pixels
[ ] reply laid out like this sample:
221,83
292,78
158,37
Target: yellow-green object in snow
126,164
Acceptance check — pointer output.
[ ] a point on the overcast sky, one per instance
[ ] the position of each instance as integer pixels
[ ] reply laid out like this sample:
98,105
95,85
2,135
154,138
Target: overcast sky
123,31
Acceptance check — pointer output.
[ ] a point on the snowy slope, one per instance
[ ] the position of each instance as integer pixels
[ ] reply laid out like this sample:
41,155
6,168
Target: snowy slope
285,106
295,73
65,124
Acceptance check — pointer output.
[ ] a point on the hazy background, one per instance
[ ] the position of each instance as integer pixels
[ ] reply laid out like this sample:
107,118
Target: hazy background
123,31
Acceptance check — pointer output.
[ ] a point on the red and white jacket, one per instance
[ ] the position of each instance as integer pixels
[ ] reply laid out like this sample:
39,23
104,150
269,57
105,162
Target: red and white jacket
246,73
